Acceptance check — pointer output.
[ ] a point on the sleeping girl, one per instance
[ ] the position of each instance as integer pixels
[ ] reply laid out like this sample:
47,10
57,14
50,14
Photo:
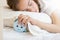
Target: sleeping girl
37,6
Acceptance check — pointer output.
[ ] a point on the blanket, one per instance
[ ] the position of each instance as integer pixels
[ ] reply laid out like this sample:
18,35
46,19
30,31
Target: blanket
9,20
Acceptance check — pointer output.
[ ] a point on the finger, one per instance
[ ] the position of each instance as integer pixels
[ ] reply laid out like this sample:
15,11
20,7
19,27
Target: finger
27,20
20,19
20,16
24,19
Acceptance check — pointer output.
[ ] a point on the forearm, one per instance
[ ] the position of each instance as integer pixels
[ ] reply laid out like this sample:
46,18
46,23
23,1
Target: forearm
48,27
54,27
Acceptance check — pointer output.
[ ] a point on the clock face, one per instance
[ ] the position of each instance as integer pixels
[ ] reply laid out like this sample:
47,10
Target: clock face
19,27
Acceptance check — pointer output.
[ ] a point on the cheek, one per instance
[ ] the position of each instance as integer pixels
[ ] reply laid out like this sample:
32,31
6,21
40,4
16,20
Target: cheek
22,7
35,7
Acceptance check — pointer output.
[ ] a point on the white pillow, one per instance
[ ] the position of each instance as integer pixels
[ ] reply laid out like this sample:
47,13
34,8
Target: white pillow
10,16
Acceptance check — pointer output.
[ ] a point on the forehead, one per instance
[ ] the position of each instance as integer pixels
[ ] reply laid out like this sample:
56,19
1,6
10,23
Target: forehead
23,4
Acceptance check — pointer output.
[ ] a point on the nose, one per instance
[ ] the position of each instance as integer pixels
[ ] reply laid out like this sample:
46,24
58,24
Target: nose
30,9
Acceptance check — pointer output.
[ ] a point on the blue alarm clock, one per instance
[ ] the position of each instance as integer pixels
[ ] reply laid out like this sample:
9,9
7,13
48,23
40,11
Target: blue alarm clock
19,27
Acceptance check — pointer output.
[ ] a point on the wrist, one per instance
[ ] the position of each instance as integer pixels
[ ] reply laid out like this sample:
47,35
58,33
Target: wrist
32,21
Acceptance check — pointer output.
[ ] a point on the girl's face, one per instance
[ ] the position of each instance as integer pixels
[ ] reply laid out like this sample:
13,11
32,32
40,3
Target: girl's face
28,5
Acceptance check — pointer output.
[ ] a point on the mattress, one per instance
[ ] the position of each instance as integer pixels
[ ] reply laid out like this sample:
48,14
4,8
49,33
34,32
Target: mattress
10,34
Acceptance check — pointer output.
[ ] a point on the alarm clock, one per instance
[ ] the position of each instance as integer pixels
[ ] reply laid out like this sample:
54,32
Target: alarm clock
19,27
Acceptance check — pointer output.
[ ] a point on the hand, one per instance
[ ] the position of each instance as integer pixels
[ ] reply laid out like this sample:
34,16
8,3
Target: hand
24,19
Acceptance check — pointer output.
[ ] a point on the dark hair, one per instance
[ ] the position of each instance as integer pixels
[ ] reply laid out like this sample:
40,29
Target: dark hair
13,4
38,5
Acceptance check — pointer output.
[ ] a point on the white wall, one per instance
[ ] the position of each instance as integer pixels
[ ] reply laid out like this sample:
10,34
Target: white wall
1,26
3,3
1,19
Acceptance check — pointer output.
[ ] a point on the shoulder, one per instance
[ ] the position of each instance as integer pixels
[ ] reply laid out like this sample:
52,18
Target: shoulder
55,14
55,18
45,5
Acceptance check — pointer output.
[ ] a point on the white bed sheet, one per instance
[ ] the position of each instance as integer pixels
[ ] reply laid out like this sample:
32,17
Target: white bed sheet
10,34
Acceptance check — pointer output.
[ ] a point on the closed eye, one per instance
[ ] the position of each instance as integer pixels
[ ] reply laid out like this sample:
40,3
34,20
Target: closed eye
30,4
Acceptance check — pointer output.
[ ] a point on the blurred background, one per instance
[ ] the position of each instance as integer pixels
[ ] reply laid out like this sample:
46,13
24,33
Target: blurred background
1,20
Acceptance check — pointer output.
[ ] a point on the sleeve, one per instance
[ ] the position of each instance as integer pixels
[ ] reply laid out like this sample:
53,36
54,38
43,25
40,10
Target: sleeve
50,9
50,6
